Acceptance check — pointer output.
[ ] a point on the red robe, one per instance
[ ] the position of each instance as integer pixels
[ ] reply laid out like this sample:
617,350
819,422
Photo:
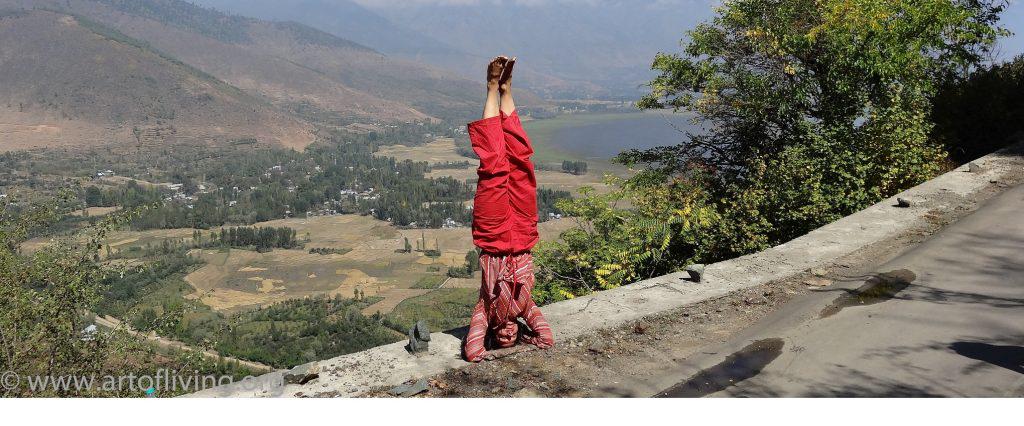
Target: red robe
505,229
505,207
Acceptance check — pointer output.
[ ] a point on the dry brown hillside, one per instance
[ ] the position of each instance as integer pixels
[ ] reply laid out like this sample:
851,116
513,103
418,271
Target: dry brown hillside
296,67
68,81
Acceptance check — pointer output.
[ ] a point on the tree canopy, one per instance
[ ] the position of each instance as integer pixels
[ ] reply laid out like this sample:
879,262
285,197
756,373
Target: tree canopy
814,109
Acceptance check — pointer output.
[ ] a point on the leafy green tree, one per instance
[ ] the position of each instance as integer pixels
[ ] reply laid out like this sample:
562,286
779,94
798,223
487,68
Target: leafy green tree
574,167
473,260
47,301
45,298
814,109
817,107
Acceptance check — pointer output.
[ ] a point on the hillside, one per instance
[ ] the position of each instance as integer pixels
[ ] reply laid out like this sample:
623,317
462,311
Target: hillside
275,81
295,66
350,20
69,81
345,19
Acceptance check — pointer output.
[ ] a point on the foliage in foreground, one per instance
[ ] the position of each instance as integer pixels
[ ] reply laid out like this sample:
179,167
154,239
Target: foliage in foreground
46,302
816,109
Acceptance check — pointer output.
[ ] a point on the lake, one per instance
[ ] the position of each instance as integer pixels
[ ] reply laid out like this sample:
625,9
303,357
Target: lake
596,137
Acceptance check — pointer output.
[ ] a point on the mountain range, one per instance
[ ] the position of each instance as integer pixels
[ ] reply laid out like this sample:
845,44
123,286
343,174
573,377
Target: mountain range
567,48
76,72
90,72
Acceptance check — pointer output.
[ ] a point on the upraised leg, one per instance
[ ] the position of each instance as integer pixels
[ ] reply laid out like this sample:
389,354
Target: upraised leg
522,178
491,204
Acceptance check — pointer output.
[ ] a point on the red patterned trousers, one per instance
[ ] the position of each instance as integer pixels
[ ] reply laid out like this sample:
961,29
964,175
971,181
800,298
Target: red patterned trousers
505,296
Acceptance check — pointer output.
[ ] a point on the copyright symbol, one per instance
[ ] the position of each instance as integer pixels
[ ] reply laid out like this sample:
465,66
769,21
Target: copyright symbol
10,380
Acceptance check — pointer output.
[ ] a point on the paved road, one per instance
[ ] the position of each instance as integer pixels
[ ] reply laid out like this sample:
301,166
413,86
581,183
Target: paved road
945,318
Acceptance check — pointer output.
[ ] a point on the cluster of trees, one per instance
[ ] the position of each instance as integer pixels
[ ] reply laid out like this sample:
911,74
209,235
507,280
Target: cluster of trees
423,246
262,238
548,202
245,184
574,167
451,165
260,185
814,108
148,298
297,331
465,271
128,195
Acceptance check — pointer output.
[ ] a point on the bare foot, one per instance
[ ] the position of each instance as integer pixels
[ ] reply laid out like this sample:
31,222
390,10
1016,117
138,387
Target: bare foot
505,81
495,70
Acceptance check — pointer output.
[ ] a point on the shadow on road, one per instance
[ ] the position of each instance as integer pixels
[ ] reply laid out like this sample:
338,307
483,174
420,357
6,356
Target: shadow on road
1006,356
737,367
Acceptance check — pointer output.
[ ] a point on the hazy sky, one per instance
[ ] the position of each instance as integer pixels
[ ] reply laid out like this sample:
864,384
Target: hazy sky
1013,20
1013,17
385,3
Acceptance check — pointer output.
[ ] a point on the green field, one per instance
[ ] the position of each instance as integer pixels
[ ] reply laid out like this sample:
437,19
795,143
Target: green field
442,309
429,282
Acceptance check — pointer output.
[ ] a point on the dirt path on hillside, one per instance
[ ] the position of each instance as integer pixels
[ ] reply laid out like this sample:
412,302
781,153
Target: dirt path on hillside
601,364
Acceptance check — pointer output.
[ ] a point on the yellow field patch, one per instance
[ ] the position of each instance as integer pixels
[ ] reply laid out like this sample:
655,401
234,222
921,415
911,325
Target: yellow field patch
228,300
120,243
267,285
340,231
438,151
95,211
356,279
472,282
237,279
122,240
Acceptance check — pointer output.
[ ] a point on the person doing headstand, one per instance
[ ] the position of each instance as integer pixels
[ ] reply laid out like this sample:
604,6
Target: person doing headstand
504,224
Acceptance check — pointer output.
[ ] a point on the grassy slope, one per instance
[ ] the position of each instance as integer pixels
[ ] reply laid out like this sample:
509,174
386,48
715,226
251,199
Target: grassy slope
443,309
